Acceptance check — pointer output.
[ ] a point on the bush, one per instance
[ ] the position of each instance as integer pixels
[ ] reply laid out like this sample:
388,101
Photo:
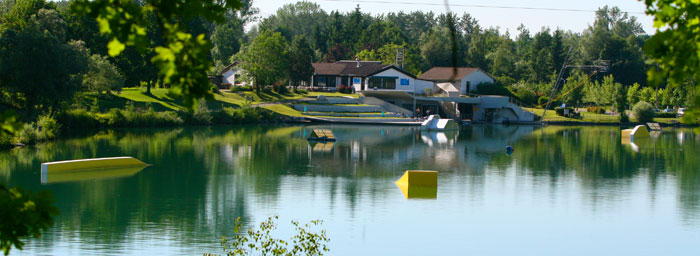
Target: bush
281,89
643,111
79,118
241,89
301,91
26,135
267,90
306,241
132,117
542,102
527,96
45,128
493,89
201,114
595,109
344,89
665,114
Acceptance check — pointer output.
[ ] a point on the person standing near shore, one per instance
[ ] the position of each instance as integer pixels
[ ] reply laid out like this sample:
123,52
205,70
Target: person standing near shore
417,113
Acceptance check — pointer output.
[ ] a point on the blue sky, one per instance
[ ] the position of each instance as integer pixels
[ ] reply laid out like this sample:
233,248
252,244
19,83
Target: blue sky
505,19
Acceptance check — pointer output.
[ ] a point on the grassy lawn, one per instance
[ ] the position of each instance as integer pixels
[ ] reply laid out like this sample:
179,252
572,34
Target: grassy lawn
591,117
161,101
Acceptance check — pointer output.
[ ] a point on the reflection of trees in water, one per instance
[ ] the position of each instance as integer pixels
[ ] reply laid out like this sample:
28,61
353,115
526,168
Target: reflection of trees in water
600,161
202,178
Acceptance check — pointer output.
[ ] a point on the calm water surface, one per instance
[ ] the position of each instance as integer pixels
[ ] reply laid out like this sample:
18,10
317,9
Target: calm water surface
564,191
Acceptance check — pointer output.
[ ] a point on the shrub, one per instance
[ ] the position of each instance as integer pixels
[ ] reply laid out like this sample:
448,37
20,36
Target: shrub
79,118
26,135
665,114
261,242
267,89
595,109
241,89
301,91
542,102
47,127
527,96
281,89
132,117
201,114
493,89
344,89
643,111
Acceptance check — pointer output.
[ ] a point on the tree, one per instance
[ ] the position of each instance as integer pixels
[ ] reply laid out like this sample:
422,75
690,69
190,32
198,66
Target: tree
265,58
674,47
32,50
102,75
183,59
620,101
300,57
574,88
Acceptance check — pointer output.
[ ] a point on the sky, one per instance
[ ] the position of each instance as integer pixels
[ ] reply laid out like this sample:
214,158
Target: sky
504,18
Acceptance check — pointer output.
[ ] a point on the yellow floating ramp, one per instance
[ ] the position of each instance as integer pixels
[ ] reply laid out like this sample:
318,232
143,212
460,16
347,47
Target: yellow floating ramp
93,163
322,134
639,131
418,184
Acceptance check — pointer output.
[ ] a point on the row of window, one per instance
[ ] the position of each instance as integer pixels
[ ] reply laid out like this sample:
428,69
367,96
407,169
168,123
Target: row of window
374,82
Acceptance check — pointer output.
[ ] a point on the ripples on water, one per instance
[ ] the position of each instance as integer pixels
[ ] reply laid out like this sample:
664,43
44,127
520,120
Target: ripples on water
564,191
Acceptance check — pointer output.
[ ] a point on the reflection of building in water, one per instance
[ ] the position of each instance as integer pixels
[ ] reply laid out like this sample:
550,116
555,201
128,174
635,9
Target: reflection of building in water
388,148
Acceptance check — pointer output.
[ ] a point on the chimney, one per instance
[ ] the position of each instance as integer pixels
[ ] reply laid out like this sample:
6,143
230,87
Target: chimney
358,61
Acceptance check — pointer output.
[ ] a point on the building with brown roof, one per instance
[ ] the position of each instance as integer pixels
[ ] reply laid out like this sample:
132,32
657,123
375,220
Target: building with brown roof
466,79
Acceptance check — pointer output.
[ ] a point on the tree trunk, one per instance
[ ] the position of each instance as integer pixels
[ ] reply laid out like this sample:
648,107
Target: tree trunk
148,87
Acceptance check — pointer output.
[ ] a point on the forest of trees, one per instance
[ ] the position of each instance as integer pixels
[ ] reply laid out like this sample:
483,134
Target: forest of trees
64,52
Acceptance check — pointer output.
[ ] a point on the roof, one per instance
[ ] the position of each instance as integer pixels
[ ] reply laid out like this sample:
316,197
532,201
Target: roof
392,67
448,73
229,67
348,68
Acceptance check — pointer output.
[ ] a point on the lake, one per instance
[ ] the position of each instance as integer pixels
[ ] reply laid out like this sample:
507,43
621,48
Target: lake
563,191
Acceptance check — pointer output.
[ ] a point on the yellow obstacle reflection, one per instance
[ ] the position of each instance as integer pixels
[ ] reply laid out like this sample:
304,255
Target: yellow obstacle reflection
110,166
417,192
322,147
90,174
418,184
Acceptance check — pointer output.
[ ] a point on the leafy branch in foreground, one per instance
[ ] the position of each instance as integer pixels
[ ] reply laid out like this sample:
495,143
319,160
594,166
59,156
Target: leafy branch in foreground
183,60
260,241
23,214
675,46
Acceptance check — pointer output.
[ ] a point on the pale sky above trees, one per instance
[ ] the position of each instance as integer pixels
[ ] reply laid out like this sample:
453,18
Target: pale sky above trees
505,19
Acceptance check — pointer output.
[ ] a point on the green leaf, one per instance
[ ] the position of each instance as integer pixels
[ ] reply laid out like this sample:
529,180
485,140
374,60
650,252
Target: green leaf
115,47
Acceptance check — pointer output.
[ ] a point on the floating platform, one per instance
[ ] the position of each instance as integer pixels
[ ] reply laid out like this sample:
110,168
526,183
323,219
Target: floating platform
322,135
83,169
654,127
434,123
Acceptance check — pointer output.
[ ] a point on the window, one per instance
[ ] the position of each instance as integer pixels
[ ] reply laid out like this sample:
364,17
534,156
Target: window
382,82
469,86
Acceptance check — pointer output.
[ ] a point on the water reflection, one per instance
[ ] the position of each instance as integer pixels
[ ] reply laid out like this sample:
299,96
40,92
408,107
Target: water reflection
202,178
